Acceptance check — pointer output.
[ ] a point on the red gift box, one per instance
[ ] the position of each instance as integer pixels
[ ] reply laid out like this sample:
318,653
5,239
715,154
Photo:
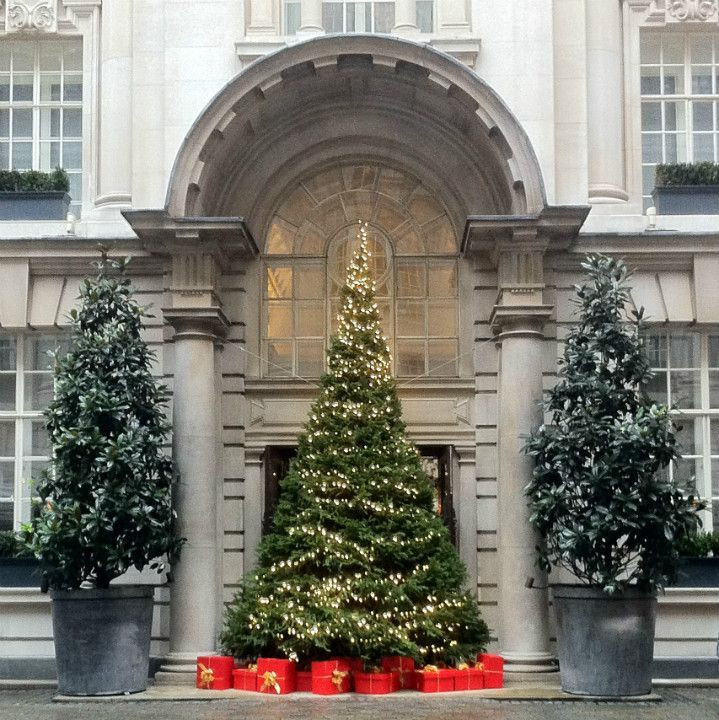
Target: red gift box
435,680
403,670
469,678
493,666
214,672
374,683
330,677
304,681
276,676
245,678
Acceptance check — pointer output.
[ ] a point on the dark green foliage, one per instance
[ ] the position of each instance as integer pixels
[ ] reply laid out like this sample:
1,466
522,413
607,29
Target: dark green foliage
699,545
11,545
33,180
703,173
358,563
105,504
598,498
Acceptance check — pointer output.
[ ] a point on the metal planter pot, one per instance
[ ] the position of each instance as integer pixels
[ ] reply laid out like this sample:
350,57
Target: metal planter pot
36,205
20,572
686,199
698,572
102,639
605,642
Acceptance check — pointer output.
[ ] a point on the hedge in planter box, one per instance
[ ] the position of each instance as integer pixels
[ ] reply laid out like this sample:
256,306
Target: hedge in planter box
600,495
105,503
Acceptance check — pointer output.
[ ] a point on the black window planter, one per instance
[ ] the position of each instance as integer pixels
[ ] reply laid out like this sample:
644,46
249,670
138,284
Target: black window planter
698,572
36,205
686,199
20,572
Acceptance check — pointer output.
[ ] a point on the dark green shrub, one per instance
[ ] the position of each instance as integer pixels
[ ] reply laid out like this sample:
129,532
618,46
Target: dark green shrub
33,181
11,546
704,173
604,509
699,545
105,502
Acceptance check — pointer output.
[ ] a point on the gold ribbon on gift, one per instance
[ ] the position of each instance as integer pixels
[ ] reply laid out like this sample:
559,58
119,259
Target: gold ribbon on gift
479,666
252,667
462,666
338,677
430,668
269,680
401,674
207,676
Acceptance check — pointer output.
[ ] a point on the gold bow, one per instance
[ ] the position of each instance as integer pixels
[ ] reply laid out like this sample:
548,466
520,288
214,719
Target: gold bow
270,681
479,666
463,666
430,668
338,677
207,676
252,667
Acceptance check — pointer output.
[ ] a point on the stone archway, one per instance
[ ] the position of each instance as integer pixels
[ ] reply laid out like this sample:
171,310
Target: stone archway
375,99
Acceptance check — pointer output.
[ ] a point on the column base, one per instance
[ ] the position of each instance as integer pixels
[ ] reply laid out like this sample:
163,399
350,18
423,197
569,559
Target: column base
523,663
179,668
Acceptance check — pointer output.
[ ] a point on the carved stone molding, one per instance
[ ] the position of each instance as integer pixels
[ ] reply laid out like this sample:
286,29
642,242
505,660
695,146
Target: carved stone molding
676,12
30,16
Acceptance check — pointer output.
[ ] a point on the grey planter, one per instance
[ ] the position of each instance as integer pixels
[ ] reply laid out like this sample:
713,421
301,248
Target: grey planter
102,639
698,572
41,205
20,572
686,199
605,642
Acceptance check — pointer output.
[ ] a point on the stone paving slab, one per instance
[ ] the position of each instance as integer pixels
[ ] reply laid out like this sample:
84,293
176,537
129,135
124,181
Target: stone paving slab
516,693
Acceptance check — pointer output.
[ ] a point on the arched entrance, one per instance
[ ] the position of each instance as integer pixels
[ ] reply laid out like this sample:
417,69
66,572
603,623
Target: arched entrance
243,197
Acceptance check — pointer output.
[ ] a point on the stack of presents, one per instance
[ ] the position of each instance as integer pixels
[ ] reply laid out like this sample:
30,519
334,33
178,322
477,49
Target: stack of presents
341,675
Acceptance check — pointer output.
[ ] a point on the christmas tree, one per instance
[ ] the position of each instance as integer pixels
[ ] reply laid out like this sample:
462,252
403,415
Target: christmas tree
358,562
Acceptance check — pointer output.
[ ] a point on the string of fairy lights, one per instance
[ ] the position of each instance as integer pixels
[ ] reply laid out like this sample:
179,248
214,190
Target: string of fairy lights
337,575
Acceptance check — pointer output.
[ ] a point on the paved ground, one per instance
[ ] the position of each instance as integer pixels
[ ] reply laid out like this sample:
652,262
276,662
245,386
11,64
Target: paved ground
678,704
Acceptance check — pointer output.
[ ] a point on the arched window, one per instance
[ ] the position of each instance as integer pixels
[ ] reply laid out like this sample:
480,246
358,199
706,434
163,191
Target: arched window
310,240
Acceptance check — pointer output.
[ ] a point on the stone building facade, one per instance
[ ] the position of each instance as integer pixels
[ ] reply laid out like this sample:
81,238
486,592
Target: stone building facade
231,147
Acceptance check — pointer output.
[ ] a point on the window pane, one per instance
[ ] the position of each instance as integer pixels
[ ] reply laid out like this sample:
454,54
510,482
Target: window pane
442,319
686,472
703,147
310,281
650,45
673,80
5,123
4,88
8,352
443,280
714,437
651,148
50,123
38,351
279,239
442,357
22,156
332,17
6,515
22,123
279,358
292,18
673,48
425,21
72,155
684,350
279,282
689,435
714,389
310,320
36,440
701,49
72,55
685,388
714,351
411,279
410,358
703,115
656,388
7,391
384,17
5,52
701,80
72,123
50,56
7,478
31,471
410,318
72,90
715,486
310,358
22,88
651,81
7,438
279,320
23,56
675,116
38,390
50,87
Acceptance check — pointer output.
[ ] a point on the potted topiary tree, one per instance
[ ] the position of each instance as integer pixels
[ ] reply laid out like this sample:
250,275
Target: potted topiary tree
605,510
34,195
105,501
18,567
698,560
687,189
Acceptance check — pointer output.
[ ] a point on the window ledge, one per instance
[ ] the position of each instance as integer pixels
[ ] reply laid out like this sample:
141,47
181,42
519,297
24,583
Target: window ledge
463,47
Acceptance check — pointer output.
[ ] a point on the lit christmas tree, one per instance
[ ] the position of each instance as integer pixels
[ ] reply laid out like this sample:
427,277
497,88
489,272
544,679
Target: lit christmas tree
358,562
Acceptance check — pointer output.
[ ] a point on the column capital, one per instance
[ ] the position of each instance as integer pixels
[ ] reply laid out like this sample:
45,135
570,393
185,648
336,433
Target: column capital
204,323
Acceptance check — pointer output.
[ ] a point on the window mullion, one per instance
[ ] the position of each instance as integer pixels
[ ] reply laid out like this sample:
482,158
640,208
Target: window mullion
19,364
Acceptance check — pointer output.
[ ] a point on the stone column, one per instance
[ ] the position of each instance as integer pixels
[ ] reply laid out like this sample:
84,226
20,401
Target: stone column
605,101
405,17
465,503
199,325
115,168
311,17
518,318
253,506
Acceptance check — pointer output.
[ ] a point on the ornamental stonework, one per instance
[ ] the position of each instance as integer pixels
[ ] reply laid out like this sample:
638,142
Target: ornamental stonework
30,16
693,10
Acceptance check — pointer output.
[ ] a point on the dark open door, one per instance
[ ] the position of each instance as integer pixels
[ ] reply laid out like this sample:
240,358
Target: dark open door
437,463
277,465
